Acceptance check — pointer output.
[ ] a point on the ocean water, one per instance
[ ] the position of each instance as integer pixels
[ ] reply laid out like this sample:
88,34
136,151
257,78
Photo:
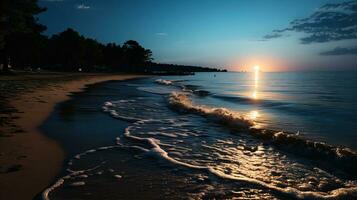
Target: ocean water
320,105
210,136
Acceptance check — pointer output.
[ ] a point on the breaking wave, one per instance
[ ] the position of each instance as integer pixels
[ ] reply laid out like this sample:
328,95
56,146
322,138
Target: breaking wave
167,82
181,102
184,87
342,157
158,133
157,151
163,82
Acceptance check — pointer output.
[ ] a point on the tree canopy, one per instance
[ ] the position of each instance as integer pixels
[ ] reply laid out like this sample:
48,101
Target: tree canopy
17,17
23,45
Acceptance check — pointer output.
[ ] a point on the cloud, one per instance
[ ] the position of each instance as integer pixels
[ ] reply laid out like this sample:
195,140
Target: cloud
273,35
82,7
340,51
161,34
331,22
52,0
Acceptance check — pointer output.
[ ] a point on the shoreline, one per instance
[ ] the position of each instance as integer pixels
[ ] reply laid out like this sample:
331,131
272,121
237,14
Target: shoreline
38,158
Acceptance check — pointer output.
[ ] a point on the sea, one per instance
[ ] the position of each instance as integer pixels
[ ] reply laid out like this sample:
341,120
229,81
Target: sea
253,135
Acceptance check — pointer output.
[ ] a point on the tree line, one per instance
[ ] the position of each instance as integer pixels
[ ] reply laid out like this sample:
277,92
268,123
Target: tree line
23,45
70,51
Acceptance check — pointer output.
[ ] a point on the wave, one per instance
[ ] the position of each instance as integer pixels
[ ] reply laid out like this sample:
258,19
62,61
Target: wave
72,175
152,147
289,107
108,107
332,156
202,93
196,90
234,99
222,115
163,82
342,157
233,120
340,193
155,89
190,87
185,88
157,151
167,82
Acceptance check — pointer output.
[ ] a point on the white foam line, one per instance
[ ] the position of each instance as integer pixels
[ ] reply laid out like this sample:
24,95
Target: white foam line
60,181
219,114
163,82
232,119
292,191
157,150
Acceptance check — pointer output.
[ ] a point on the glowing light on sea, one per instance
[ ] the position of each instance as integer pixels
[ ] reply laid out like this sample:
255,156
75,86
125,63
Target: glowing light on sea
256,81
254,95
256,75
254,114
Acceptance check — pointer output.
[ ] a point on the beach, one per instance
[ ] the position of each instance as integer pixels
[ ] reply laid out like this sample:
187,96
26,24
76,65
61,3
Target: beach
190,137
178,100
179,137
30,160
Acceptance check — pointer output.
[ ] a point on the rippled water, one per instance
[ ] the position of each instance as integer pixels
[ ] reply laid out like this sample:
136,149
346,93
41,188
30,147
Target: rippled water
318,104
187,138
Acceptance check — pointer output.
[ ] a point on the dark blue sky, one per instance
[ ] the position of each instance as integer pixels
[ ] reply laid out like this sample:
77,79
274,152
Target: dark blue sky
234,34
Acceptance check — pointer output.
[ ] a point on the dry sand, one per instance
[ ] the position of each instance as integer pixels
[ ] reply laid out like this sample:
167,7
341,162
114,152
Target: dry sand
35,158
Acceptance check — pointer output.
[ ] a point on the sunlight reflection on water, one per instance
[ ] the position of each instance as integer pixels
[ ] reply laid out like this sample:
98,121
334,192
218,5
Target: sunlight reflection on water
256,82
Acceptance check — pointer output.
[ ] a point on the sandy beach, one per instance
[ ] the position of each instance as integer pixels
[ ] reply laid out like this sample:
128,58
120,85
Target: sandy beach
148,100
29,160
157,138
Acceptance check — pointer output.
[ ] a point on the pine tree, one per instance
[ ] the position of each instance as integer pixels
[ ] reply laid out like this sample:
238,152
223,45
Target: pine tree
17,16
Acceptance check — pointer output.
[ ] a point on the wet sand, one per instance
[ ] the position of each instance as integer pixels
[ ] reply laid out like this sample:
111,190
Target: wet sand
29,160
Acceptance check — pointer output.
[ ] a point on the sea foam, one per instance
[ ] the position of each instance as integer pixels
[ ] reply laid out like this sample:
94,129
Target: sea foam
342,157
182,102
157,151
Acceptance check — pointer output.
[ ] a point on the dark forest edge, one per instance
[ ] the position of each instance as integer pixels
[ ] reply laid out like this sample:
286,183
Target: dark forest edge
24,46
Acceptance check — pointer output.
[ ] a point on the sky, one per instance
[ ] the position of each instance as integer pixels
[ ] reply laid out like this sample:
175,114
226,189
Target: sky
277,35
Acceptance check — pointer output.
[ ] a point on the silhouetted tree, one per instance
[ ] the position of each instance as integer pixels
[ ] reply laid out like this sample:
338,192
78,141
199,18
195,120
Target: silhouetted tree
93,55
135,55
113,57
67,50
17,17
21,40
27,50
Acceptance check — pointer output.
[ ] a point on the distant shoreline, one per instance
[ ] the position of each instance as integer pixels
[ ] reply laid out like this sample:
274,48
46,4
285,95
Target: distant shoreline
27,153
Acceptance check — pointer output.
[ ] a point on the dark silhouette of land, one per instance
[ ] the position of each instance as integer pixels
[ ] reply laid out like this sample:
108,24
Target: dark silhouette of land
24,46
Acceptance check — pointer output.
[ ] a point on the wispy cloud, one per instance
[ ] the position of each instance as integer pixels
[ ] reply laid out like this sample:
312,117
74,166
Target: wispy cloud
52,0
340,51
273,35
331,22
83,7
161,34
